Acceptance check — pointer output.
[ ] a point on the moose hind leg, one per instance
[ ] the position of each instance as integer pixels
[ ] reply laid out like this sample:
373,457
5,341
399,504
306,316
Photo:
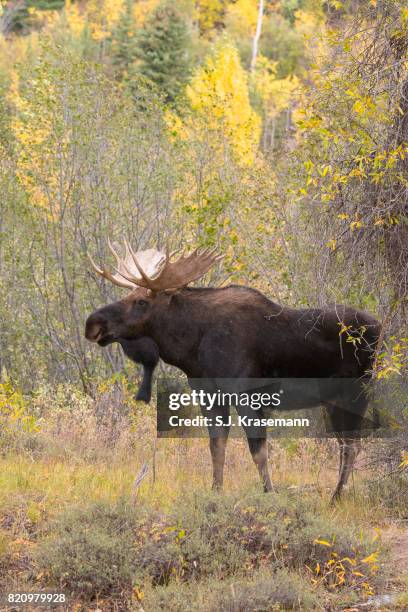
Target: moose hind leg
346,418
349,449
259,452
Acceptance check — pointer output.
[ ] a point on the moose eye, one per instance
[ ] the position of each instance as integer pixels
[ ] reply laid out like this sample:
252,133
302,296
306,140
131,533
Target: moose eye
142,303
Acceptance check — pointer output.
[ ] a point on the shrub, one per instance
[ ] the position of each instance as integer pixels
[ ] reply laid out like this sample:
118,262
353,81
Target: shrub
106,549
114,550
389,492
282,590
4,550
265,591
90,551
17,423
227,534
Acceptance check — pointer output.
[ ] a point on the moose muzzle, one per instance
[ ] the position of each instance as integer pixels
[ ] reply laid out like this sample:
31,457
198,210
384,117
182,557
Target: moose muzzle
96,330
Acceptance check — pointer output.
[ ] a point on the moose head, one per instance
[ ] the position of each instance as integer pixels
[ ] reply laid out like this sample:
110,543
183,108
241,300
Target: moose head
152,277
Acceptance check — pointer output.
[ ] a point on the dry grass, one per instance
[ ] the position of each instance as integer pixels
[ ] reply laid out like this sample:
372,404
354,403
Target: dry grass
90,451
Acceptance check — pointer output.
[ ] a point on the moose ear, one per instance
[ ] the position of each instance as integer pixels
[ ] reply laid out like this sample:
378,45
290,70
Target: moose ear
175,297
173,292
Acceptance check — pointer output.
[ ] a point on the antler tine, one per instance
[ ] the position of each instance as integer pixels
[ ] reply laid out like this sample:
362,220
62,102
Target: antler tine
106,274
144,276
211,251
128,251
190,268
213,254
170,254
216,255
112,250
122,262
95,267
207,253
110,277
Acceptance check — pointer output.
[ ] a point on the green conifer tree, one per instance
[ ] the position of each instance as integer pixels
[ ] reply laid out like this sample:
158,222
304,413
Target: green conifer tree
46,5
164,50
16,18
124,44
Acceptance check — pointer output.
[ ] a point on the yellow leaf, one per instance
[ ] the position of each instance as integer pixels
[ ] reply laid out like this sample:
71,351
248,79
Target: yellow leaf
323,543
373,558
355,225
376,534
218,94
138,594
404,462
351,561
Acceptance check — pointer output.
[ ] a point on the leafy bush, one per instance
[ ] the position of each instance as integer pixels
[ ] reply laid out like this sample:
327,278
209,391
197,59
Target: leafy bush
4,549
390,492
90,429
117,550
91,551
227,534
106,549
265,591
281,590
17,423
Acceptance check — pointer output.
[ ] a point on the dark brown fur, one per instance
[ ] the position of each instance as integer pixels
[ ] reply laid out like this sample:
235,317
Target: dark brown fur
236,332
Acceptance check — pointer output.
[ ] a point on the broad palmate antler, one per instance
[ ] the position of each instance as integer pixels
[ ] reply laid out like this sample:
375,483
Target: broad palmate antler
153,269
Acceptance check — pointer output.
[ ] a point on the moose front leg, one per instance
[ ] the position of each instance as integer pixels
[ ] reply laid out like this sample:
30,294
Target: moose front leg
144,393
259,451
218,442
146,352
217,449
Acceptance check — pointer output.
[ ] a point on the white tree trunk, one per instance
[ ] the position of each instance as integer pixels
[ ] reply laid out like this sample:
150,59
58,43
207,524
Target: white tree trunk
258,33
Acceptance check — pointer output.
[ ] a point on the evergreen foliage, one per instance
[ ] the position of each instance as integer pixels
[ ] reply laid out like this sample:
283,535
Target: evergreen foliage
46,5
124,45
163,50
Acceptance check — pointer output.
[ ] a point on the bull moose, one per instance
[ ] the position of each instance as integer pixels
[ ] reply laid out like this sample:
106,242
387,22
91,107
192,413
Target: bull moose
231,332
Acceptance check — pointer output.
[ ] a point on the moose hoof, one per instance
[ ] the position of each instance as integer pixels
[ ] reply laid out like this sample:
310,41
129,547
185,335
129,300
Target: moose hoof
217,487
335,498
143,396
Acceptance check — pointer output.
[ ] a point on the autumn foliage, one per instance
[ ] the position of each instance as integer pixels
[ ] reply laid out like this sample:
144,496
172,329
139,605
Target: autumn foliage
276,131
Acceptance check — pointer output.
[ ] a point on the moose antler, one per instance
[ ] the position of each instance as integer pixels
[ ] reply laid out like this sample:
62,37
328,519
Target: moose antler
154,270
151,260
180,273
116,279
126,273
